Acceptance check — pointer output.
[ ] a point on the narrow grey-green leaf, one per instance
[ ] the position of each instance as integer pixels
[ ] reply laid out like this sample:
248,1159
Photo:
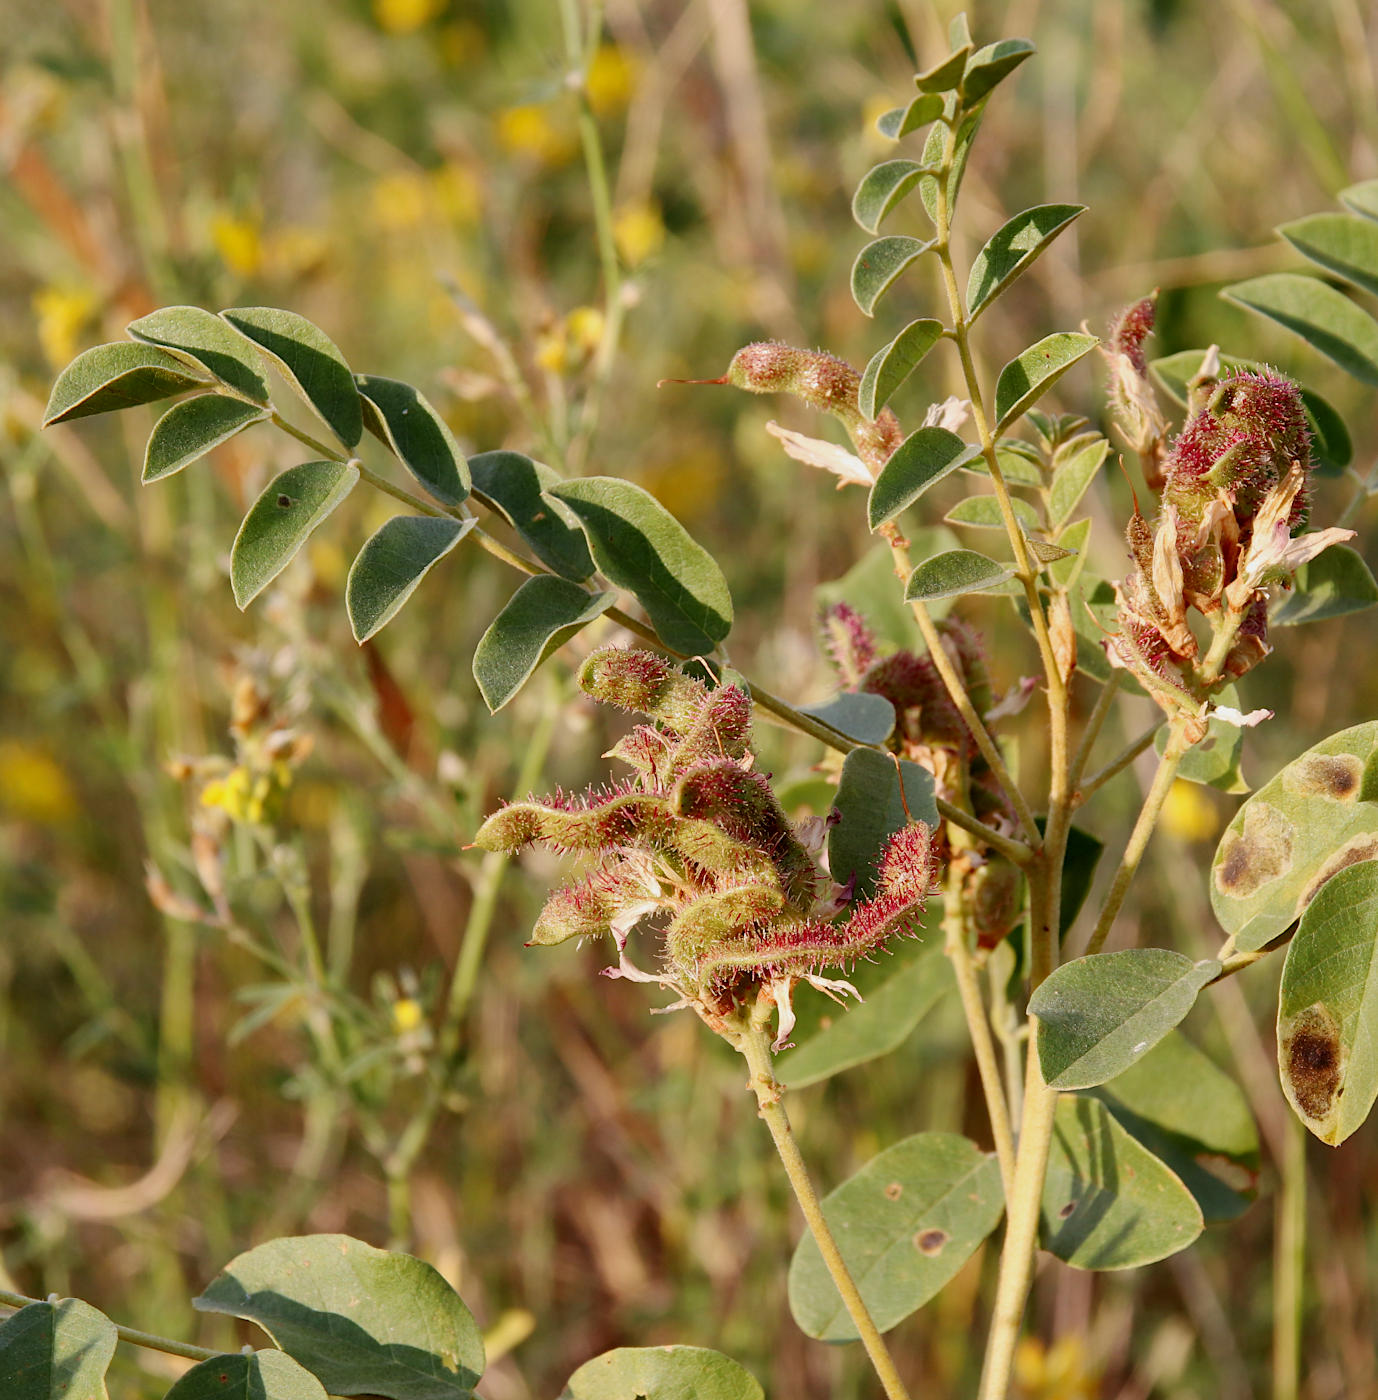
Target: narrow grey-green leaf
513,485
402,418
905,1223
1328,1007
1013,249
1341,243
992,65
56,1351
870,808
1065,572
310,362
881,188
1320,315
1362,198
1073,478
879,264
1097,1015
869,719
1019,463
954,573
1334,583
641,547
107,378
1030,375
890,366
259,1375
944,75
364,1321
201,337
291,506
540,617
933,155
392,562
662,1373
924,458
983,513
959,31
188,430
875,1026
1109,1203
900,121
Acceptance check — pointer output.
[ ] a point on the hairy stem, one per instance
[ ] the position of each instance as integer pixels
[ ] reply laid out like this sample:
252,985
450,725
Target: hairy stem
1289,1265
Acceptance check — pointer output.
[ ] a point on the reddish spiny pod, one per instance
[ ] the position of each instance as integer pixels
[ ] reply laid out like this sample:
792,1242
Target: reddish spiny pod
848,642
643,683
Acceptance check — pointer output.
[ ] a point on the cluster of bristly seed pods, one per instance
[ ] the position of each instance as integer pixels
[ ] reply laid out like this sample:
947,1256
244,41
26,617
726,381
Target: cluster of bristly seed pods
696,843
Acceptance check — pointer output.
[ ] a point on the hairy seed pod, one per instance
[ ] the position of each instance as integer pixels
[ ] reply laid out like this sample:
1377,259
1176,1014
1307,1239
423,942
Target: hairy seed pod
643,683
717,917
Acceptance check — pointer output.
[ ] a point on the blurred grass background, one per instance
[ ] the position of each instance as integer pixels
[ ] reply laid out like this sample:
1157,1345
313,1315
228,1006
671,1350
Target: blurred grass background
597,1179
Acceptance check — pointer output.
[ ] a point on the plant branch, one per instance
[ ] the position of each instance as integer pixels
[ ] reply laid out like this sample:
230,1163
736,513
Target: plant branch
129,1334
1118,764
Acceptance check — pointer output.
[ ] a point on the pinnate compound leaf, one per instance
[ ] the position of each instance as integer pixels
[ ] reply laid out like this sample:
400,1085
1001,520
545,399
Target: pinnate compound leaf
954,573
1328,1007
278,523
879,264
882,188
944,76
107,378
1072,480
1341,243
1013,249
1362,198
200,337
56,1351
1311,820
513,485
890,366
641,547
1109,1203
1097,1015
933,155
310,362
188,430
1029,376
392,562
1332,584
540,617
364,1321
870,809
992,65
924,458
867,718
900,121
662,1373
402,418
1320,315
983,513
259,1375
905,1223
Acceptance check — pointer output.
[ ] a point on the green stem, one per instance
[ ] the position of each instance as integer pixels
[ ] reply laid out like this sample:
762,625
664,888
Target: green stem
1118,764
128,1334
1094,724
1289,1265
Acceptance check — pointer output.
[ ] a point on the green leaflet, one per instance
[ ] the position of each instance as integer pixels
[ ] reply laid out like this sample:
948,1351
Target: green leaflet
1031,374
1321,316
513,485
108,378
260,1375
870,809
201,338
882,188
879,264
922,460
56,1351
1332,584
402,418
1013,249
190,429
869,719
1344,244
662,1373
954,573
890,366
392,562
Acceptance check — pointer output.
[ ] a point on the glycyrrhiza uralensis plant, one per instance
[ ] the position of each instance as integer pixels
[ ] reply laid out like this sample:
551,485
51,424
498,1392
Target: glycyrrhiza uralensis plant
1114,1139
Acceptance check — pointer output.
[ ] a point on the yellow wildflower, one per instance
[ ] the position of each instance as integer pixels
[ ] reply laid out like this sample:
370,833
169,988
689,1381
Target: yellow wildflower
1189,814
585,325
638,231
295,250
405,16
458,194
239,242
33,786
529,131
401,200
1059,1372
610,79
406,1015
552,349
62,314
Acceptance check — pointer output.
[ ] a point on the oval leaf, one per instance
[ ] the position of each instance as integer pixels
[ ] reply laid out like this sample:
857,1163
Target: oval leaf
190,429
869,719
402,418
393,561
310,362
954,573
540,617
881,188
1014,249
1332,584
56,1351
662,1373
1109,1203
891,366
291,506
1323,317
513,485
1072,479
1328,1007
869,809
1029,376
944,76
261,1375
202,338
1362,198
1312,819
924,458
641,547
992,65
107,378
1340,243
1097,1015
364,1321
905,1223
983,513
879,264
933,155
900,121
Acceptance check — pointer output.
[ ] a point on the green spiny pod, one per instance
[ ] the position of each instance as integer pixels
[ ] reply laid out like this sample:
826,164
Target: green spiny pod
712,849
619,820
584,909
643,683
718,916
721,730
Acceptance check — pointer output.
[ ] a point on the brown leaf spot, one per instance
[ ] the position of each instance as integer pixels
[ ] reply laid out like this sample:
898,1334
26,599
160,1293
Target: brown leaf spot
931,1242
1312,1058
894,1191
1066,1210
1259,853
1336,776
284,501
1356,849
